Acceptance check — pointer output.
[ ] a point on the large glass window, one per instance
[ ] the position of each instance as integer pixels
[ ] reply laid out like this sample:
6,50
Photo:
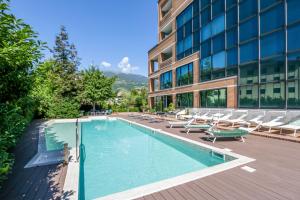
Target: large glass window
293,84
184,33
248,29
248,96
206,32
247,8
230,3
293,38
184,75
232,57
293,94
249,51
213,98
162,102
218,7
232,38
219,43
218,25
248,74
293,11
184,100
204,3
205,16
218,60
266,3
294,66
272,44
166,80
272,19
206,49
272,70
231,17
205,69
272,95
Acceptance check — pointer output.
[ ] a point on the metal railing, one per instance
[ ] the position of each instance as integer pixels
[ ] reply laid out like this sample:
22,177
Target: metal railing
77,139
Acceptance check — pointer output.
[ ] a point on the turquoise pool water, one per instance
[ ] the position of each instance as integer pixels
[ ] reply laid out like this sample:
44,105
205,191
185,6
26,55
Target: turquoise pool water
57,134
116,157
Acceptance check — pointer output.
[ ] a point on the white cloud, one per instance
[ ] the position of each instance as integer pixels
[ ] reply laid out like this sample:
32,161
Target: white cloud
125,66
105,64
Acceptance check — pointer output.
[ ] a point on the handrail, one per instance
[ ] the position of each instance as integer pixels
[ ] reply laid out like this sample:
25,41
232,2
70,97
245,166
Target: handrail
77,138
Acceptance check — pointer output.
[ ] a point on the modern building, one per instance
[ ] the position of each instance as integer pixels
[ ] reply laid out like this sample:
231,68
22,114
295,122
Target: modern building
226,53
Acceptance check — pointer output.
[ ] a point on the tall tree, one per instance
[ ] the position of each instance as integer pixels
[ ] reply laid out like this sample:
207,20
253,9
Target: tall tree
66,63
96,87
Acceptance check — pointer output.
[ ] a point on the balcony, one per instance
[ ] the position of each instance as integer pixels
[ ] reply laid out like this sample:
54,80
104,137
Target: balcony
167,42
166,19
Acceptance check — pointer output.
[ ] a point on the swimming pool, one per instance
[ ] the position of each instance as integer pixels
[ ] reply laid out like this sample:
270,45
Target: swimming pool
117,156
121,159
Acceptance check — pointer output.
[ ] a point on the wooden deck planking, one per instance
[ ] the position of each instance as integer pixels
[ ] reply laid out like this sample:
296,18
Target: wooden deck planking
277,176
45,182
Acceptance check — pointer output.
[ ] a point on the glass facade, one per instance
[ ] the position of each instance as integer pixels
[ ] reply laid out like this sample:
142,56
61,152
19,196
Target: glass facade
166,80
162,102
213,98
184,100
184,75
256,40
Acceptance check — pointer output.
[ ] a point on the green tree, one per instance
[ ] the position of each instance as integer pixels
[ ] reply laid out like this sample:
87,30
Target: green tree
96,88
20,51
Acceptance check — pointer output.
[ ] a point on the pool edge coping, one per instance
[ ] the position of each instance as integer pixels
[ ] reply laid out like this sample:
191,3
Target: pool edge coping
72,176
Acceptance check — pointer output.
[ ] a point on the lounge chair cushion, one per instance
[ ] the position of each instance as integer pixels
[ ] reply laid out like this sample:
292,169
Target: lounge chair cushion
229,133
200,126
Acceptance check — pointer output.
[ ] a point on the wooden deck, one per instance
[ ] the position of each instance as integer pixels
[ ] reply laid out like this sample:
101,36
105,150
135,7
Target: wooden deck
277,173
44,182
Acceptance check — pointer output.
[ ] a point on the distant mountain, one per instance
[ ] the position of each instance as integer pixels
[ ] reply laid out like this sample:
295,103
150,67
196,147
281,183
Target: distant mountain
127,81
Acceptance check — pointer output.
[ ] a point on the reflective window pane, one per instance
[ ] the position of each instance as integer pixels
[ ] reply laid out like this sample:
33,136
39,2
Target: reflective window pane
213,98
293,11
248,29
248,96
249,51
249,74
166,80
230,3
293,94
205,69
184,100
293,66
272,95
232,38
184,75
218,25
218,7
247,8
272,70
219,60
272,19
272,44
293,38
232,57
219,43
231,18
204,3
206,32
266,3
206,49
205,16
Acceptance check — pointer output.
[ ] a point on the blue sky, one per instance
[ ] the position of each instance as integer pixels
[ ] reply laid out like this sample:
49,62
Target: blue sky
114,34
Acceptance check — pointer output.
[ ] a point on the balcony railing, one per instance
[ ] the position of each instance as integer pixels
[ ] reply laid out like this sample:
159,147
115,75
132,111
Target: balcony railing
166,63
166,18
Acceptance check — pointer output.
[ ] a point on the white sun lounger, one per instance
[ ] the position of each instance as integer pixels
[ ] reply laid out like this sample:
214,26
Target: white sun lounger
277,120
181,123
